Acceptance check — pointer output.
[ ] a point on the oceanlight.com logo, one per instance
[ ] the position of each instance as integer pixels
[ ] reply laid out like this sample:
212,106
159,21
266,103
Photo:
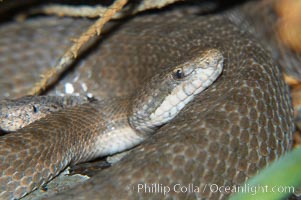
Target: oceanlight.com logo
157,188
247,188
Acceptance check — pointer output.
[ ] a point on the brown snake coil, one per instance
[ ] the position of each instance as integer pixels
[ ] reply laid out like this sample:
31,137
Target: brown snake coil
229,132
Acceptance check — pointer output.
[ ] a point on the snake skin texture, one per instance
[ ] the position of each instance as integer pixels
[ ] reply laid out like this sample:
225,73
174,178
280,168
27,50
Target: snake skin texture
226,135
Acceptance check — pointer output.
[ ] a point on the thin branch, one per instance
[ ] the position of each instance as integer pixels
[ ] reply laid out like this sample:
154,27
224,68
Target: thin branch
70,55
71,11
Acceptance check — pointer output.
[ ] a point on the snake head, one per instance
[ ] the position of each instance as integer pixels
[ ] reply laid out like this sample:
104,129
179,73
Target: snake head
167,93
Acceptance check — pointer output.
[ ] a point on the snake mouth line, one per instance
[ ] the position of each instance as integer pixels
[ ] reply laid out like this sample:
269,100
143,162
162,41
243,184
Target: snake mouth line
180,96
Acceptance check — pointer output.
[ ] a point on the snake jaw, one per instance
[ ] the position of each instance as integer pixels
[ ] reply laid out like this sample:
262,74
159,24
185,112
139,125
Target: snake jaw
184,83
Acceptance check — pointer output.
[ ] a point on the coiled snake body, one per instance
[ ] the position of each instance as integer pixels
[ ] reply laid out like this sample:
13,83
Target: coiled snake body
225,135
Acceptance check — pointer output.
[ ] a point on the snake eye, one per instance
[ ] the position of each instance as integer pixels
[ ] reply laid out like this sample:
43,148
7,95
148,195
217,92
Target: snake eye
35,108
178,73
